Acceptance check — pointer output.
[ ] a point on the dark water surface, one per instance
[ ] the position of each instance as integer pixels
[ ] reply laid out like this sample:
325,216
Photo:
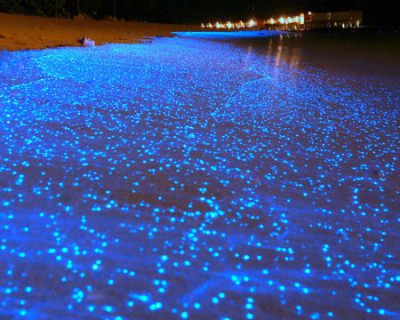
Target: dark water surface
202,178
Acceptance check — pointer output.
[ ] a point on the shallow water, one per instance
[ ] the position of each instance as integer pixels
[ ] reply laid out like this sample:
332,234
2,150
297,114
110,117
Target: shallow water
201,178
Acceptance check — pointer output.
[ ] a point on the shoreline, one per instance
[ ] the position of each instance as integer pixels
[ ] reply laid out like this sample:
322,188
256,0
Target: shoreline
20,32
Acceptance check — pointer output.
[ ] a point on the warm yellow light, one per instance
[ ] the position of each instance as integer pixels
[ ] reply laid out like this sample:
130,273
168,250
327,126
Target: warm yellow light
252,23
272,21
239,25
203,26
209,25
218,25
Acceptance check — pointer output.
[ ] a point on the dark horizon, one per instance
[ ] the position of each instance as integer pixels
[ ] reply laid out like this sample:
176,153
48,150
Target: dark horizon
384,13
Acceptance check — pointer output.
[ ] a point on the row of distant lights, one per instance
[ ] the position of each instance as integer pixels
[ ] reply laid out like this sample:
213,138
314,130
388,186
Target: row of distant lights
287,20
252,23
231,25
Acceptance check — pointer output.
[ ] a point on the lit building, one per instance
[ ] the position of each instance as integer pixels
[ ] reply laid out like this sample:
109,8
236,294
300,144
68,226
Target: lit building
316,20
300,22
327,20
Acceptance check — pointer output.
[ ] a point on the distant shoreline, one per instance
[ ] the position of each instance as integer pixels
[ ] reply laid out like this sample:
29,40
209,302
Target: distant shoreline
19,32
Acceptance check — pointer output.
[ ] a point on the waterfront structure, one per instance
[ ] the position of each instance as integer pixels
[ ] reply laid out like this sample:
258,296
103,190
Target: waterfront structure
299,22
316,20
327,20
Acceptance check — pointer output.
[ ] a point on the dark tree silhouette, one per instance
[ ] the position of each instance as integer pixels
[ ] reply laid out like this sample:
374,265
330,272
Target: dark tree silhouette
382,13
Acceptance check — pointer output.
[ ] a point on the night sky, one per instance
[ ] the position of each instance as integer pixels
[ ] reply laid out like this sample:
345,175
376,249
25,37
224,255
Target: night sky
381,13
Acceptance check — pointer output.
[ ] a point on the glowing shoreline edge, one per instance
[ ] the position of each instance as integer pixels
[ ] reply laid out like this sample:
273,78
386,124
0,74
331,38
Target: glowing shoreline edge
230,34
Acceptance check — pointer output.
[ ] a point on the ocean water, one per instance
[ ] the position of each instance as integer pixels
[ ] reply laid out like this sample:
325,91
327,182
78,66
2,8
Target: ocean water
238,176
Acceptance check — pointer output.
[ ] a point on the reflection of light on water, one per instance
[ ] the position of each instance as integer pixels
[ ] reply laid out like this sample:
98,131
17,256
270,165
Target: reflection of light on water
277,53
278,56
248,56
295,57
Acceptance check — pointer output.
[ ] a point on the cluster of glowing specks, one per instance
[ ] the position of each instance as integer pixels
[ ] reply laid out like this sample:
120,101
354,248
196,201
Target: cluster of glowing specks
196,180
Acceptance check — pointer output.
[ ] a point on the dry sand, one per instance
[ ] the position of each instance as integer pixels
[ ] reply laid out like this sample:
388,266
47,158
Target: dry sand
19,32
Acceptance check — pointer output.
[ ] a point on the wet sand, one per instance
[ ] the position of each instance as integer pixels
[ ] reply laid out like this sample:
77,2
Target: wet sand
19,32
195,179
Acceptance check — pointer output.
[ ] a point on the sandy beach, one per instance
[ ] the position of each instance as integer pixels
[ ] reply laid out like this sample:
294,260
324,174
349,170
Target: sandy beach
19,32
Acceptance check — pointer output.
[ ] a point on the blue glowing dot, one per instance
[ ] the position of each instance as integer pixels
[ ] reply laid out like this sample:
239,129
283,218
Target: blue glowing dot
108,309
315,316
